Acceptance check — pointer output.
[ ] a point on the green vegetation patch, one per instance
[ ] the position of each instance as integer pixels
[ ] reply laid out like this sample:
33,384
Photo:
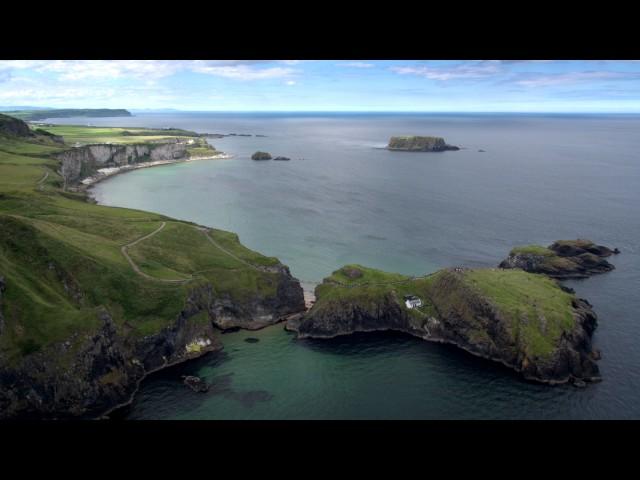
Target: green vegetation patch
77,134
532,250
539,311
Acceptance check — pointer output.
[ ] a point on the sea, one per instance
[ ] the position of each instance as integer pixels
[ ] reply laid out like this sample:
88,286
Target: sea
342,198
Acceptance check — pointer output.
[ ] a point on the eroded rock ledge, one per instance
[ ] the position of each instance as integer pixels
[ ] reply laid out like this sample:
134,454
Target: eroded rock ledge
524,321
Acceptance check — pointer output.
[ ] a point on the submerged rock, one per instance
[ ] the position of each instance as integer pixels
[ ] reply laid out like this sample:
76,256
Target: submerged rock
419,144
563,259
195,383
251,340
282,158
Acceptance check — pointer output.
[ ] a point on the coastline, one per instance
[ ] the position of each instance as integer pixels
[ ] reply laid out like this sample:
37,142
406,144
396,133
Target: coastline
108,172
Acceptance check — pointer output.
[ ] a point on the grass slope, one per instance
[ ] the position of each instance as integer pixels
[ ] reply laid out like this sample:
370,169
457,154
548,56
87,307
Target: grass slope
62,262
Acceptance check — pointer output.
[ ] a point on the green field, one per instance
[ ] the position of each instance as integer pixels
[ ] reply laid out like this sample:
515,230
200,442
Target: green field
83,135
62,262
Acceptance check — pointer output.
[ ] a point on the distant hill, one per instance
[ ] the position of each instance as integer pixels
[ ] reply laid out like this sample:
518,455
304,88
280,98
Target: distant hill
22,107
14,127
68,112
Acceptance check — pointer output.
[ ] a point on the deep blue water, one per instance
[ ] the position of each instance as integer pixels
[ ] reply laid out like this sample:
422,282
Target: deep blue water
343,200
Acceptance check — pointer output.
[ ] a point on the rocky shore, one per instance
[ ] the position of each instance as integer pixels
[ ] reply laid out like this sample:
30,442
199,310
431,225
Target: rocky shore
91,375
563,259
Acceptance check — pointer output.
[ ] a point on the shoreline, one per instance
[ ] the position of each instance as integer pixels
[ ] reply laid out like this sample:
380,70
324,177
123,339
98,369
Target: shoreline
108,172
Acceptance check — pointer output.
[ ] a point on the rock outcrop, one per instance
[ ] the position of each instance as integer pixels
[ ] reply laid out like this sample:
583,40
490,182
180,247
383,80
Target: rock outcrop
261,156
82,162
541,346
195,383
419,144
564,259
88,376
282,158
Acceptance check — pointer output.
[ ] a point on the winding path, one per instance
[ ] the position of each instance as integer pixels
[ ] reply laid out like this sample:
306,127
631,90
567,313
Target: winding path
135,267
216,244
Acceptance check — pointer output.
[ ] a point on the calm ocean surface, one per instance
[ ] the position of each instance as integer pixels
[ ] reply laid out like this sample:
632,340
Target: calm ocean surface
342,200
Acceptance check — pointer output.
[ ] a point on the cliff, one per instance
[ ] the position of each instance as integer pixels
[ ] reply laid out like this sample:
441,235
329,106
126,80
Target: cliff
419,144
564,259
93,298
82,162
524,321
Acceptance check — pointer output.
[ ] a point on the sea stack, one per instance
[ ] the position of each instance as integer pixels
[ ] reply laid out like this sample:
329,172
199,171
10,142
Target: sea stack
419,144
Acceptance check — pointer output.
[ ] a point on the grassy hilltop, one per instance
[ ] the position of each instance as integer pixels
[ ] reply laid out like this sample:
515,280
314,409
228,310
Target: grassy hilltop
62,258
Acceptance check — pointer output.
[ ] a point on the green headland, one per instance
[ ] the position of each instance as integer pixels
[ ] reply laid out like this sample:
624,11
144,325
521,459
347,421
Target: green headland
74,275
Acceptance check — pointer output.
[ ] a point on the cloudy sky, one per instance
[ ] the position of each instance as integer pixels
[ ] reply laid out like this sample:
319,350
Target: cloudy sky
325,85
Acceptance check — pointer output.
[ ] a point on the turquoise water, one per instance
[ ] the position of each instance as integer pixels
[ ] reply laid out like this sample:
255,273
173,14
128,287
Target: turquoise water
341,199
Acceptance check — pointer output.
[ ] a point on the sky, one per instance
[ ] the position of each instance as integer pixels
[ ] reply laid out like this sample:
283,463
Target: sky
325,85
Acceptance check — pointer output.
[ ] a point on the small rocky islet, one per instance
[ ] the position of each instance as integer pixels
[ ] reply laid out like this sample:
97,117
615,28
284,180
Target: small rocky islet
563,259
526,321
419,144
267,156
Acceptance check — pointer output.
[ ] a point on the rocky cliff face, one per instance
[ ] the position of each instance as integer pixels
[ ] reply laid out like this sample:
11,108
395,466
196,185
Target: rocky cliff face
461,316
474,323
88,376
258,312
82,162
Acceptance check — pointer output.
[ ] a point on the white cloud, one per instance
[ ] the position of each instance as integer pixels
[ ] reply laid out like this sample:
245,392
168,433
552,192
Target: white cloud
290,82
356,65
572,77
474,70
244,72
149,70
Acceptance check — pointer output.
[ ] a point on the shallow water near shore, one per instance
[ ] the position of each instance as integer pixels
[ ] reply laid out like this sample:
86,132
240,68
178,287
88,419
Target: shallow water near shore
343,200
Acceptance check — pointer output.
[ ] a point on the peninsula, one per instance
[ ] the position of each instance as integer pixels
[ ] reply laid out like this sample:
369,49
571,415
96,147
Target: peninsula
419,144
94,298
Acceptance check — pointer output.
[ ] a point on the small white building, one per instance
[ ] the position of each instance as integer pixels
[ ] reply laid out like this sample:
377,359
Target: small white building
411,301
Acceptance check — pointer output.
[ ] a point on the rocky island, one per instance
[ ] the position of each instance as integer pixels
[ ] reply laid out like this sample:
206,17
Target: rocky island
93,298
564,259
522,320
261,156
419,144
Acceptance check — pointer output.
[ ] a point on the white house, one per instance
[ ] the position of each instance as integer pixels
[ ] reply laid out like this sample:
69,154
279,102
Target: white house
411,301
